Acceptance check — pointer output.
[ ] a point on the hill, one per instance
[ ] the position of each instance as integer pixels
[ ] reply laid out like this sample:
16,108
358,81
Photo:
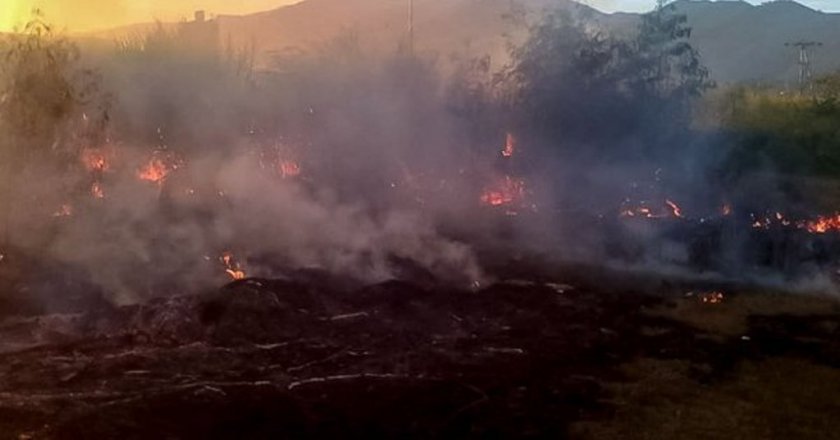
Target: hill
738,41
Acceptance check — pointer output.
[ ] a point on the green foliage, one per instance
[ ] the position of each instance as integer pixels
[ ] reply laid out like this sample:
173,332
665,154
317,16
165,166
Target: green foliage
667,62
793,133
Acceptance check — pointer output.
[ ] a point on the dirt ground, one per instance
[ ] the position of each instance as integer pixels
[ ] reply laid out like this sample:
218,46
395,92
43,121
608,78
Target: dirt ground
565,352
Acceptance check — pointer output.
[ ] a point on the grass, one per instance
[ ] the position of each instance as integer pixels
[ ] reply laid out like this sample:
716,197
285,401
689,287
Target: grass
763,398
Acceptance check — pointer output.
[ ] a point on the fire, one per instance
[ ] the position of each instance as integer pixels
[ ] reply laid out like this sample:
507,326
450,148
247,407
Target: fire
506,192
154,171
232,267
824,225
158,168
510,145
66,210
288,169
726,209
712,298
819,225
669,209
675,210
97,191
95,160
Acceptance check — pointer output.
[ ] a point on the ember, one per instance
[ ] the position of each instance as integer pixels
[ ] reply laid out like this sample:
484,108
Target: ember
95,160
96,191
712,298
232,267
823,225
158,168
508,191
288,169
668,209
66,210
510,145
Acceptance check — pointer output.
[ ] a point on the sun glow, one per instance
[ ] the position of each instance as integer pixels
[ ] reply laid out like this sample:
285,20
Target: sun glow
91,15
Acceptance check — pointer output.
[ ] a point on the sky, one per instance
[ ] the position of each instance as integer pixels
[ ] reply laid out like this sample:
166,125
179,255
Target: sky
86,15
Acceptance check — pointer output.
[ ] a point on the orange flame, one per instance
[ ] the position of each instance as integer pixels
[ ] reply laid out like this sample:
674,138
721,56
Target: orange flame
66,210
712,298
670,209
675,210
232,268
824,225
288,169
95,160
155,171
510,145
508,191
97,191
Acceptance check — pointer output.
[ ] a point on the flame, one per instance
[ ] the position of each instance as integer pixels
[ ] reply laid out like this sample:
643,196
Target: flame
158,168
154,171
675,209
726,209
669,209
819,225
95,160
510,145
288,169
712,298
824,225
97,191
232,268
508,191
66,210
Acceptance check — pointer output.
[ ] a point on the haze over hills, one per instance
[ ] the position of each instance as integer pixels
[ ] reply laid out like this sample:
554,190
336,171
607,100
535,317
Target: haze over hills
738,41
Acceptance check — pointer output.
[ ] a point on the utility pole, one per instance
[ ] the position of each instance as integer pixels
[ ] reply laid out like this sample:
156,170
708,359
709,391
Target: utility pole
805,72
411,27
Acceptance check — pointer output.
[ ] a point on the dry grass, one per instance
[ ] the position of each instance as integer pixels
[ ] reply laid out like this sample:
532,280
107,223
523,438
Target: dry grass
729,318
775,399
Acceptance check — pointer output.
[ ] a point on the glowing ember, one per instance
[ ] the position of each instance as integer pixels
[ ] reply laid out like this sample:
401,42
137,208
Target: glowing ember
668,209
232,267
97,191
508,191
288,169
510,145
712,298
154,171
675,210
95,160
819,225
824,225
66,210
158,168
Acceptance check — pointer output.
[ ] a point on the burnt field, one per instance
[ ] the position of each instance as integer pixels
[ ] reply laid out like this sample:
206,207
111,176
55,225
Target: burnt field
552,352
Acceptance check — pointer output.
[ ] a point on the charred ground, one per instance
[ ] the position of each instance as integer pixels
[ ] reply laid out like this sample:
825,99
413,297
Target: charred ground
564,352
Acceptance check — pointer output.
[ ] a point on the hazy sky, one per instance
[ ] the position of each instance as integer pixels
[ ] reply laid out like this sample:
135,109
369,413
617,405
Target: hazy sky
81,15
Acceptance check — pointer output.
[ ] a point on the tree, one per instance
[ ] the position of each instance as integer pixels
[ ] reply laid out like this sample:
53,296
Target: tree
44,95
667,61
575,87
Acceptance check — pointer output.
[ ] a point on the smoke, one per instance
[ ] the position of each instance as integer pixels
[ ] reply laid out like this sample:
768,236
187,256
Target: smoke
377,168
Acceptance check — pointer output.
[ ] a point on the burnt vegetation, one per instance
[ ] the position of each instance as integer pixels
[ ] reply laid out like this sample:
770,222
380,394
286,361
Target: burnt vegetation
343,244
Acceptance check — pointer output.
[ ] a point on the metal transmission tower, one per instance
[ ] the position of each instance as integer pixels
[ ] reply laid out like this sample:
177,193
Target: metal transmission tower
805,72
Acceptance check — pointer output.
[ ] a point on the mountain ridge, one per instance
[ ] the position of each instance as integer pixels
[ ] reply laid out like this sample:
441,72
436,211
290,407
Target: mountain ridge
738,41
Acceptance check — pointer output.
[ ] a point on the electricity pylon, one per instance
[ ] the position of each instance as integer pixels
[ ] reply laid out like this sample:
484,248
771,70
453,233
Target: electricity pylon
805,72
